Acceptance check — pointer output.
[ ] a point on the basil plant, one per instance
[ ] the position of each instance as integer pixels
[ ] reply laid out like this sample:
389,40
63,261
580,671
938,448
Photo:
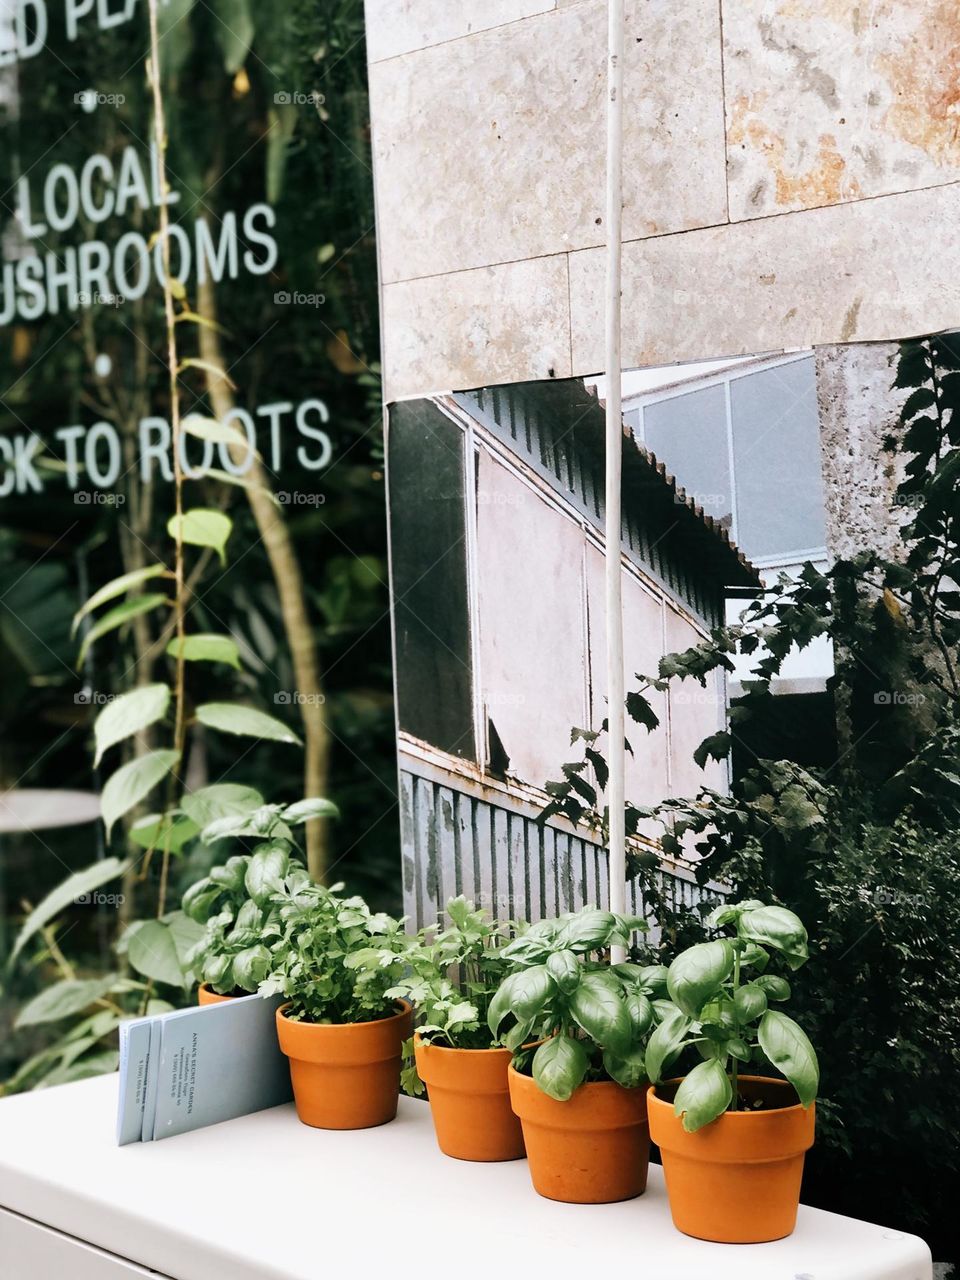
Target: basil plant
235,902
591,1019
721,997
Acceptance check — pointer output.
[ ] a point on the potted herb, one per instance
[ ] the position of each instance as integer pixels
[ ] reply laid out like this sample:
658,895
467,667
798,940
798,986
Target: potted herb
335,961
578,1093
233,901
455,974
733,1143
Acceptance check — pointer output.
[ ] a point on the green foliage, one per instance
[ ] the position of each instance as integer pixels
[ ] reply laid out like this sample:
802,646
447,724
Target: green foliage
332,957
592,1019
880,997
238,904
454,975
720,997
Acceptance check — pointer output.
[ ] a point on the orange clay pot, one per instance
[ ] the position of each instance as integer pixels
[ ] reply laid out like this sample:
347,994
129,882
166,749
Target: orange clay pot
737,1180
346,1076
470,1101
207,995
593,1149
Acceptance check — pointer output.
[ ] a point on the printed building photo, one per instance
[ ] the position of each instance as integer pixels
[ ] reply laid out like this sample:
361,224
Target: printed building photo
737,474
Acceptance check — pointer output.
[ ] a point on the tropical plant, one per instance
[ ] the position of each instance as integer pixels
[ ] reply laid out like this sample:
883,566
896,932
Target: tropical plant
332,957
721,1000
591,1018
454,974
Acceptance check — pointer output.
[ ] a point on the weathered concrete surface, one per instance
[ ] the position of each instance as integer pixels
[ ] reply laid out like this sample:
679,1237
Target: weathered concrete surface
402,26
859,408
875,270
841,118
491,149
831,100
477,328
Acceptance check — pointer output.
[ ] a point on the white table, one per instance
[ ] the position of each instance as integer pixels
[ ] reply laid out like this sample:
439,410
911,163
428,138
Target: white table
264,1198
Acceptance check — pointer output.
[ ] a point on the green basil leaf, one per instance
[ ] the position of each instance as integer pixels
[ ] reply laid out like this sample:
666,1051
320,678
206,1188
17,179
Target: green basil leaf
559,1066
265,873
629,1070
749,1001
565,969
597,1006
640,1012
697,973
588,930
774,987
778,928
666,1043
250,967
788,1048
704,1095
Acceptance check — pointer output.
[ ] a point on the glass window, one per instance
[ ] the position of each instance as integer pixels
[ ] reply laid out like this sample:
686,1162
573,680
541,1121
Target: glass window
776,449
689,434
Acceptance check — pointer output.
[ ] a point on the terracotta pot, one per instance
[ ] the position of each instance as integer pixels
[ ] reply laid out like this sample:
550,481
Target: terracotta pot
470,1101
207,995
593,1149
346,1076
736,1181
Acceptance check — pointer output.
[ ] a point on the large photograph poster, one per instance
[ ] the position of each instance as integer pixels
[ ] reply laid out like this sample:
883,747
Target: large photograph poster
273,282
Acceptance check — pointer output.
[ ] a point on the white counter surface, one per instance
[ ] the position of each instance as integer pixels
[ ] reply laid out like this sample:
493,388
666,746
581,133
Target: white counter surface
265,1198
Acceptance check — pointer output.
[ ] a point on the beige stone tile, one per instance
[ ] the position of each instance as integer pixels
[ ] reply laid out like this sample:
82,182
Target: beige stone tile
879,269
829,101
492,149
401,26
477,328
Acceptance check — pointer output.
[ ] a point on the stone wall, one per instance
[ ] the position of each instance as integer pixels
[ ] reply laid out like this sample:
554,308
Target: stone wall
858,409
792,176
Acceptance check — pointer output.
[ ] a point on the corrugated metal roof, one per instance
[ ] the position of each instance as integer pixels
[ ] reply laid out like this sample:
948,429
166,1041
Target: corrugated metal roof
646,478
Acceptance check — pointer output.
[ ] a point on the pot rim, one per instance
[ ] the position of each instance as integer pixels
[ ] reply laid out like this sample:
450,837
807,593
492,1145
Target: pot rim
736,1116
449,1048
404,1008
588,1085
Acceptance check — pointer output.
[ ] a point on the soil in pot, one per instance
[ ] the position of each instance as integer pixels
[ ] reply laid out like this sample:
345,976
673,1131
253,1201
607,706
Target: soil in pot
470,1101
346,1076
737,1180
593,1149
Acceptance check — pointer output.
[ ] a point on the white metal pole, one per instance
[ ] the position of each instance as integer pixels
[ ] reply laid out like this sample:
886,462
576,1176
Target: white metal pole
614,591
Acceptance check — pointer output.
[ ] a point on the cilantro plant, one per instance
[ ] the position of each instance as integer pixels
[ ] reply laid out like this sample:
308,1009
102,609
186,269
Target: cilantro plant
334,959
593,1019
720,998
455,973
